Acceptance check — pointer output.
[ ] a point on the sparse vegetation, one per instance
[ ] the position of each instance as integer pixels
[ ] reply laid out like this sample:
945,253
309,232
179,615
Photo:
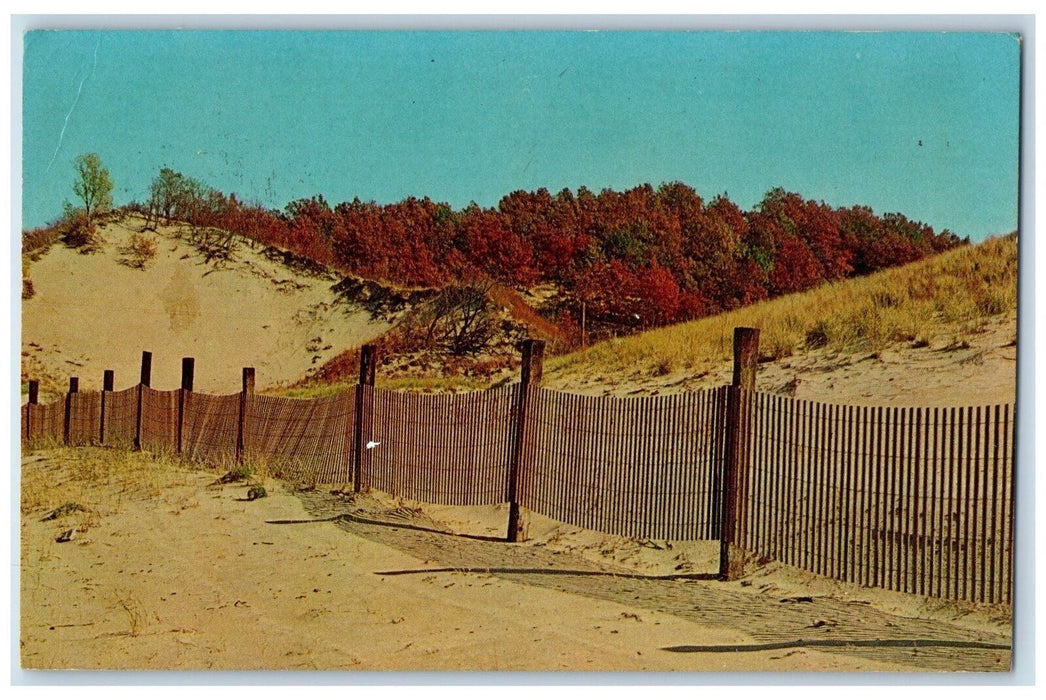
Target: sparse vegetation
77,471
420,384
28,290
140,251
79,231
67,508
437,385
215,245
663,365
80,486
460,320
465,334
134,610
38,241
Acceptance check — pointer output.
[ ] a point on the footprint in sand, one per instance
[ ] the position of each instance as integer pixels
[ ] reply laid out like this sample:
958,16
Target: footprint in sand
179,301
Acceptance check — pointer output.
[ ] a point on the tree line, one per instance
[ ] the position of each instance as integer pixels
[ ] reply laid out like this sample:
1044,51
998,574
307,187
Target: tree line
636,258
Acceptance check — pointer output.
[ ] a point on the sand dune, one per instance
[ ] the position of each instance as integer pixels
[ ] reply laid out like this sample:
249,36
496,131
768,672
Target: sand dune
981,372
91,313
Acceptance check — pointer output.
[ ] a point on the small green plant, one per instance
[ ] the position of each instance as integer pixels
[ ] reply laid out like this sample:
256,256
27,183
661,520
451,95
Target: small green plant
255,492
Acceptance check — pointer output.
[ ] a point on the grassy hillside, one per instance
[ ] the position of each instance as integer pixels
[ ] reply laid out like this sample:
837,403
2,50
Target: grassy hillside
935,302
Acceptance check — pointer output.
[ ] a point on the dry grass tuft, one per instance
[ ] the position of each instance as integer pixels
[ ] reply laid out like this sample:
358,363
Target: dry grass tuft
420,384
140,251
132,606
934,302
312,391
66,474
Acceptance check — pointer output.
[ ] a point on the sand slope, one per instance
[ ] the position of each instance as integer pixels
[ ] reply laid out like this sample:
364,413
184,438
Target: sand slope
91,313
981,371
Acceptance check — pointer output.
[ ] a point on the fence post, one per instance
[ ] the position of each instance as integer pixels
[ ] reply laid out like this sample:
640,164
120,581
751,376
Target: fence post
530,376
368,362
107,386
738,423
146,378
188,367
247,388
34,399
74,386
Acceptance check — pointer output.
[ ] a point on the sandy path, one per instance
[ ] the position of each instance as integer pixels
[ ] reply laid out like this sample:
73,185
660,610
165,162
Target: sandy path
195,578
769,606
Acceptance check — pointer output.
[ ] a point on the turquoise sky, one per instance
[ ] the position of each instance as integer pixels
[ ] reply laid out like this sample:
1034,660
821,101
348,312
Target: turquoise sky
921,123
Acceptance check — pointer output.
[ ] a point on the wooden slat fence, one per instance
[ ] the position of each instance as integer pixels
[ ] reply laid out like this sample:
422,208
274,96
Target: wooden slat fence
121,414
46,422
85,410
159,420
640,467
445,449
210,430
918,500
305,439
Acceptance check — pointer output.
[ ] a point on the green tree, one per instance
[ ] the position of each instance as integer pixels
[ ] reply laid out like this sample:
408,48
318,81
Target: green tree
164,192
92,185
174,196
